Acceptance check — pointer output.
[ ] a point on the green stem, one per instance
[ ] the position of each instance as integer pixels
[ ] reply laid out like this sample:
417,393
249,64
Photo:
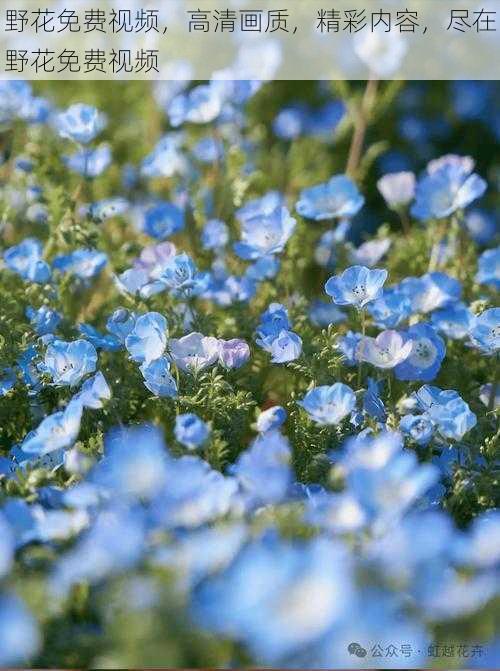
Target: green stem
363,332
362,118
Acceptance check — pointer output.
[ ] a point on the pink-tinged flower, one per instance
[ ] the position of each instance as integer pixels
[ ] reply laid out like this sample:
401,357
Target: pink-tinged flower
194,351
385,351
233,353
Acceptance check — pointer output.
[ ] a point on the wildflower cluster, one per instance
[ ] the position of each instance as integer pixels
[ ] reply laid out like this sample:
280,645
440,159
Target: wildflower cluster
249,388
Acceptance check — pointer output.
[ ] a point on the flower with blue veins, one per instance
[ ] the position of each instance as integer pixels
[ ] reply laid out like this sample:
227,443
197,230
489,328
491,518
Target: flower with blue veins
385,351
158,378
485,331
26,260
336,199
454,321
182,277
356,286
190,430
418,427
271,419
44,320
55,432
273,321
427,351
93,392
328,405
392,308
444,191
80,123
68,362
163,220
488,272
263,236
215,235
82,263
285,347
90,163
148,338
447,410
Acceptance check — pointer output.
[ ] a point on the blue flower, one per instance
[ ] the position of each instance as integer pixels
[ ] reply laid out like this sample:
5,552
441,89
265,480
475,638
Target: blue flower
446,190
201,105
263,471
485,331
56,431
263,236
431,291
419,427
329,405
121,323
260,207
454,320
337,198
372,403
182,277
94,391
90,162
356,286
489,268
158,379
387,350
447,410
148,339
287,346
166,159
83,263
348,346
80,123
390,309
271,419
397,188
69,362
208,150
370,252
215,234
19,635
163,220
190,430
134,464
322,313
273,321
44,320
108,208
108,343
25,259
427,351
481,226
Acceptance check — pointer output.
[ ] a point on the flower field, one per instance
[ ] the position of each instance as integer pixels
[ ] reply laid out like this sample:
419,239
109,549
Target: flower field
249,374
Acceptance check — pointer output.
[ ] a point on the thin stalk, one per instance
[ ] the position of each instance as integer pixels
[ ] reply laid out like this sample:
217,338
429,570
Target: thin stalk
362,114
